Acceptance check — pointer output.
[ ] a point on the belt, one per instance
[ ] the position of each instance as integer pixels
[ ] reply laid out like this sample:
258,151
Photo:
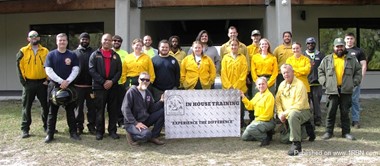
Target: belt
264,75
41,80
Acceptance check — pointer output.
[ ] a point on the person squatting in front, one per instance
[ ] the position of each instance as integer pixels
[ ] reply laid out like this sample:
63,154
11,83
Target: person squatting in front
293,108
141,111
263,104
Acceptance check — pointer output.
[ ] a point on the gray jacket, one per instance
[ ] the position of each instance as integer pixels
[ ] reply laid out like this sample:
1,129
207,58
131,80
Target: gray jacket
352,75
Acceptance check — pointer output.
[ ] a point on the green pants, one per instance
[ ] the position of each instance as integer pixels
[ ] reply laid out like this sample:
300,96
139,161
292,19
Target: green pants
295,120
257,130
33,88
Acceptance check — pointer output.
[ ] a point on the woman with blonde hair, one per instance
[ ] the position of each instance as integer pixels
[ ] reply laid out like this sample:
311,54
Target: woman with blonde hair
197,70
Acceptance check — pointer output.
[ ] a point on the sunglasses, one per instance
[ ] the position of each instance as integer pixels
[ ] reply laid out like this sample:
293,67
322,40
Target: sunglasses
144,80
310,43
33,36
117,41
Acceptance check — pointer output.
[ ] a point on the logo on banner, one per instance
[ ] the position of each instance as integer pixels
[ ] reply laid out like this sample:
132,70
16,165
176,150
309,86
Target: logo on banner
175,105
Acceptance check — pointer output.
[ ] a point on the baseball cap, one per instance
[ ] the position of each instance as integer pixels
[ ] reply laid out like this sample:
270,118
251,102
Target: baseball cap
310,40
84,35
255,32
339,42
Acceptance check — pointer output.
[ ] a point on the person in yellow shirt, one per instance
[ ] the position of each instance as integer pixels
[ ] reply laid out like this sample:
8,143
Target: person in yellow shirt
282,53
234,72
263,104
197,70
301,65
252,50
293,108
135,63
175,49
31,72
264,64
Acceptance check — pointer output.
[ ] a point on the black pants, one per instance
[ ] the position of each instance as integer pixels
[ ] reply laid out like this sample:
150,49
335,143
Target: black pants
70,116
31,89
109,98
344,102
120,97
315,97
84,96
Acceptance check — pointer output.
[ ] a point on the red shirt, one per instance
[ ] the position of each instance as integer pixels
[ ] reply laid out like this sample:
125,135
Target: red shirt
107,60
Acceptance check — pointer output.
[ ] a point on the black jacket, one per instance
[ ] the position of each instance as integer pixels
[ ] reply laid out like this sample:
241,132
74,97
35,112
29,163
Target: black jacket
97,69
83,54
137,109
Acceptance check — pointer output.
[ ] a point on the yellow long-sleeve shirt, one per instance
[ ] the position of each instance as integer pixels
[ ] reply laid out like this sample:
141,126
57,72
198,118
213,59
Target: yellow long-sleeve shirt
234,72
31,66
226,49
302,68
264,66
291,97
179,55
190,72
263,104
339,68
122,54
282,53
132,67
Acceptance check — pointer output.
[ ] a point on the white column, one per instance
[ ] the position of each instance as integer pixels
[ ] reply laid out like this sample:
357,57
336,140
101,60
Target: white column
278,19
122,19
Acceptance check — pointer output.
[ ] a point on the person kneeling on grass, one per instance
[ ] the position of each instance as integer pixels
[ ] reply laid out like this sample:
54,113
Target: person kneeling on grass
141,111
261,128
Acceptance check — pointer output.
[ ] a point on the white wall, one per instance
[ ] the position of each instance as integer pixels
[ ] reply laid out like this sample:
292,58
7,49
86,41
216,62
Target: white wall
14,29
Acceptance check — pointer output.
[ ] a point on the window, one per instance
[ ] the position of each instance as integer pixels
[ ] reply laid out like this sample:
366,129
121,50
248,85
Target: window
48,33
366,30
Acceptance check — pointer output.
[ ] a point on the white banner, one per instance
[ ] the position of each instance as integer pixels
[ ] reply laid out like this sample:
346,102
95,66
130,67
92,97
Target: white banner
202,113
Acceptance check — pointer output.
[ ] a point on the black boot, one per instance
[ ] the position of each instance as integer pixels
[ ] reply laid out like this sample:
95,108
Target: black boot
270,135
295,149
265,142
310,131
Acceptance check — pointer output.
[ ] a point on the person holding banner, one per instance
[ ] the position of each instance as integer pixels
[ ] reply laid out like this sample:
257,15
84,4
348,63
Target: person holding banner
197,70
234,72
263,104
140,111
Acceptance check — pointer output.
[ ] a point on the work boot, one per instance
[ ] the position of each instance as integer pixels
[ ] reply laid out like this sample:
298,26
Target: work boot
327,136
49,138
114,135
265,142
349,137
270,135
295,149
75,136
156,141
356,124
25,134
310,131
130,140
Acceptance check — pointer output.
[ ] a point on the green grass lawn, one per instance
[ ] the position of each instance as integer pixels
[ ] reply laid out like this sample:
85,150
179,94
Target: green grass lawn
210,151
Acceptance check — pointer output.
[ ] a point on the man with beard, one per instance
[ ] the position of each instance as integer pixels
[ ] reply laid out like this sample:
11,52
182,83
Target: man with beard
116,44
30,65
141,111
166,69
282,53
359,54
315,94
62,67
105,69
339,73
147,48
175,49
83,85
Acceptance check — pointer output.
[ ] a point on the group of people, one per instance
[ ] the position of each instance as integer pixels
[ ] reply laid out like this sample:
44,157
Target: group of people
132,85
